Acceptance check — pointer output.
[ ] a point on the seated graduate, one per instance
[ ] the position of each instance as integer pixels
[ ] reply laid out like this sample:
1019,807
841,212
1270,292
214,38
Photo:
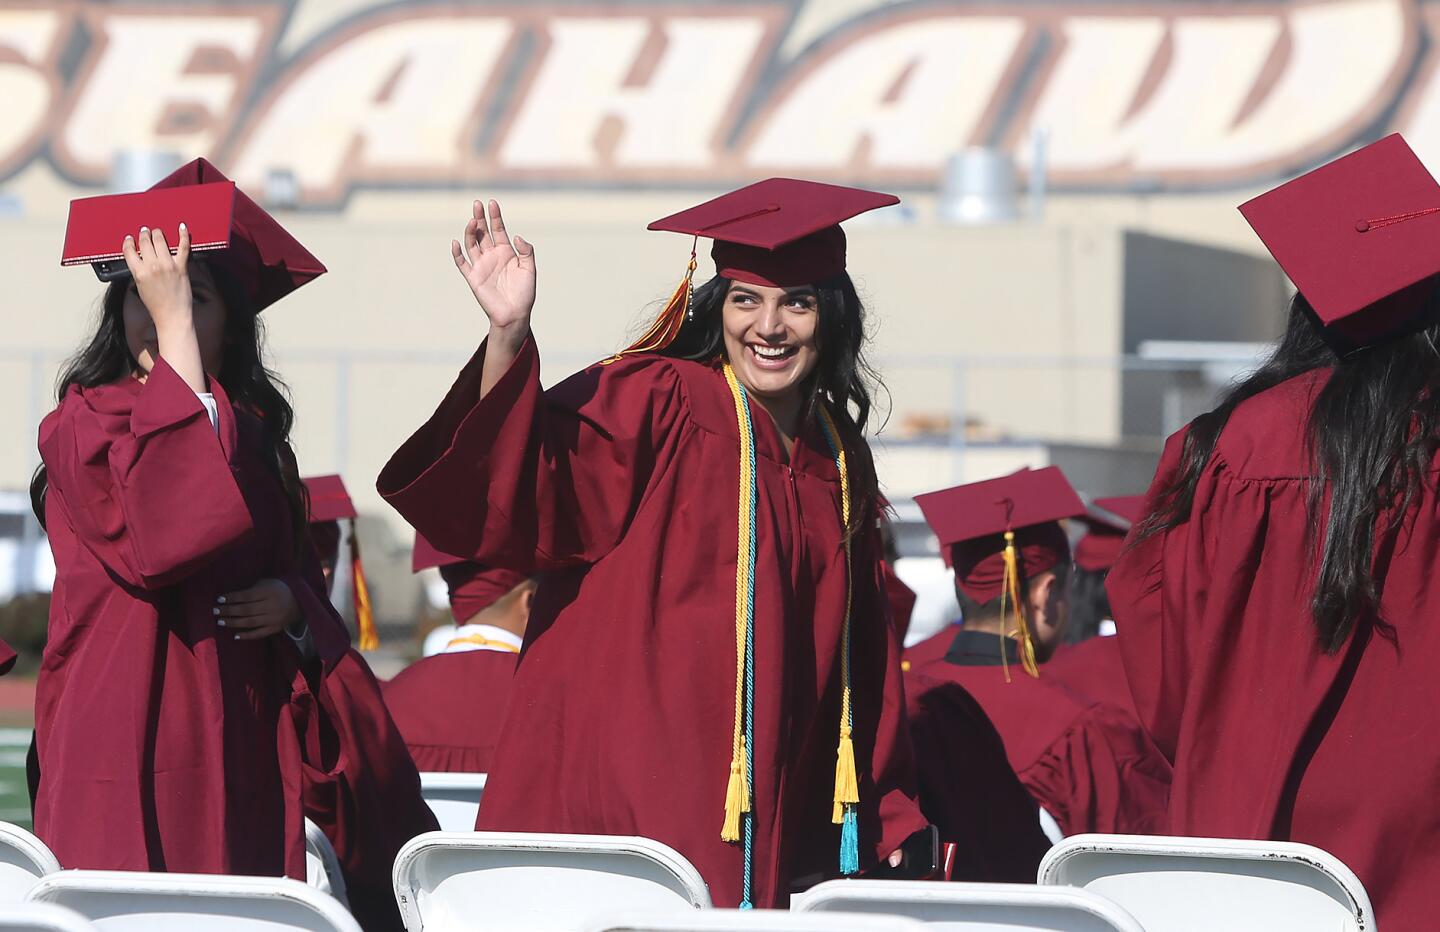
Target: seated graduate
709,662
449,706
1087,763
365,795
1090,662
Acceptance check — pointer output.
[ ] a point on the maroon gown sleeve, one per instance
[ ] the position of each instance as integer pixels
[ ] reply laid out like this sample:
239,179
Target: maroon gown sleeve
534,480
148,487
890,779
1102,775
1156,661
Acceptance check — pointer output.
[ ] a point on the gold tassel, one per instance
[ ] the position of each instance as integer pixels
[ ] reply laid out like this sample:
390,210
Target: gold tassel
737,795
1010,591
667,324
847,787
364,615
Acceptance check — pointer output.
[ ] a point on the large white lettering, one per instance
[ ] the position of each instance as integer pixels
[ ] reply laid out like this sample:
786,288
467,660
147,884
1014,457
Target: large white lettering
29,37
159,82
397,99
908,95
670,119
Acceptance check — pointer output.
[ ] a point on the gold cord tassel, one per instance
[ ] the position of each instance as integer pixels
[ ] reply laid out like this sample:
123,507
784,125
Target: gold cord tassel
1010,592
364,615
667,324
847,787
737,795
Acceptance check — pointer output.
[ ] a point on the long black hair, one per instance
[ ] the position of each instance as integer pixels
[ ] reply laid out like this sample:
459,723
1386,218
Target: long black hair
843,379
106,358
1371,436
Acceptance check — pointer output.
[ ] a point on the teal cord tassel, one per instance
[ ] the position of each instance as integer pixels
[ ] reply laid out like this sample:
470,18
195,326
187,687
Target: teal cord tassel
850,843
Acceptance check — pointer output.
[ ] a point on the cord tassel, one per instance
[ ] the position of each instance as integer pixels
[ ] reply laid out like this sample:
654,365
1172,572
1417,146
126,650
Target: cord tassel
850,843
847,787
364,614
737,796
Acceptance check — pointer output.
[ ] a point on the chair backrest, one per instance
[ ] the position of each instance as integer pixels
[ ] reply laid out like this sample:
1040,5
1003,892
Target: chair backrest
24,859
128,901
1174,884
973,907
750,920
322,866
42,917
454,798
443,880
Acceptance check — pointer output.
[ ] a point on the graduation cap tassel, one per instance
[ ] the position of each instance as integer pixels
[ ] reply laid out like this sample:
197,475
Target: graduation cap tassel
847,784
1010,591
667,324
364,615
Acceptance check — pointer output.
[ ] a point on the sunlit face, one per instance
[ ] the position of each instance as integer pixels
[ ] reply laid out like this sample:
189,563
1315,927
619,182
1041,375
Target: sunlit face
207,309
770,337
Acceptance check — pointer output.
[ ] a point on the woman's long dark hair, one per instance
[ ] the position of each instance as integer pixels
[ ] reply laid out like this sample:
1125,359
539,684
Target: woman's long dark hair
1371,437
843,377
250,384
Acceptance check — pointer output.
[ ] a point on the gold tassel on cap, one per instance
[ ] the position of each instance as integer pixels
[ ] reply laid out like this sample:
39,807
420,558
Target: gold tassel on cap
668,323
364,615
1010,593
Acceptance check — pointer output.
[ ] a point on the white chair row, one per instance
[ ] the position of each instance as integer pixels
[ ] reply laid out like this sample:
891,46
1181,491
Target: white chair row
469,880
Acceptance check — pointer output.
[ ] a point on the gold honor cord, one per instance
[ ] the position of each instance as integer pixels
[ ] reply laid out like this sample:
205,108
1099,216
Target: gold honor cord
737,790
480,640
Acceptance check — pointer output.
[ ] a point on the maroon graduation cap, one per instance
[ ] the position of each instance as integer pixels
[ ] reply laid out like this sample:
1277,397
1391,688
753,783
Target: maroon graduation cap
780,232
971,521
1108,521
1000,532
1359,237
330,503
225,224
473,587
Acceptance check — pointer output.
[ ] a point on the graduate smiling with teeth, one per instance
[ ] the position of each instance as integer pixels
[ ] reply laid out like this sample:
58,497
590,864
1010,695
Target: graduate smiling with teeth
770,340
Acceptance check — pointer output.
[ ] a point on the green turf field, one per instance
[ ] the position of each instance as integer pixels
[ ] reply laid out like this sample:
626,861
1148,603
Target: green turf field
14,797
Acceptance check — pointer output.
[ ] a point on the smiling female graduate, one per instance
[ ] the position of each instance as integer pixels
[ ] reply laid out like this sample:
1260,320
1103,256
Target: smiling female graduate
173,701
1277,606
708,662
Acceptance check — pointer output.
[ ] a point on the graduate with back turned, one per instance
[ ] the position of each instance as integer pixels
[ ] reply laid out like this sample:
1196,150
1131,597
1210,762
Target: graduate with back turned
365,796
709,662
1087,763
450,705
1278,602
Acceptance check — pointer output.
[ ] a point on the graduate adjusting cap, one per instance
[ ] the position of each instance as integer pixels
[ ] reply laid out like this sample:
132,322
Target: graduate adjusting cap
1359,237
473,587
1108,521
780,232
1000,532
231,230
330,504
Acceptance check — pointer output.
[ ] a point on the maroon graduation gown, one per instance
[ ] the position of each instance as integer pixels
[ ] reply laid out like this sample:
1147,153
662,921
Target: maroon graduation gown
1271,738
1089,764
931,649
363,790
621,484
1093,668
967,787
163,743
449,708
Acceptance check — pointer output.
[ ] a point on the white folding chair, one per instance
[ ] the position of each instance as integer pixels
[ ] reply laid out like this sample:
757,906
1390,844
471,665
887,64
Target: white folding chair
972,907
750,920
42,917
513,880
132,901
24,859
322,866
454,798
1174,884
